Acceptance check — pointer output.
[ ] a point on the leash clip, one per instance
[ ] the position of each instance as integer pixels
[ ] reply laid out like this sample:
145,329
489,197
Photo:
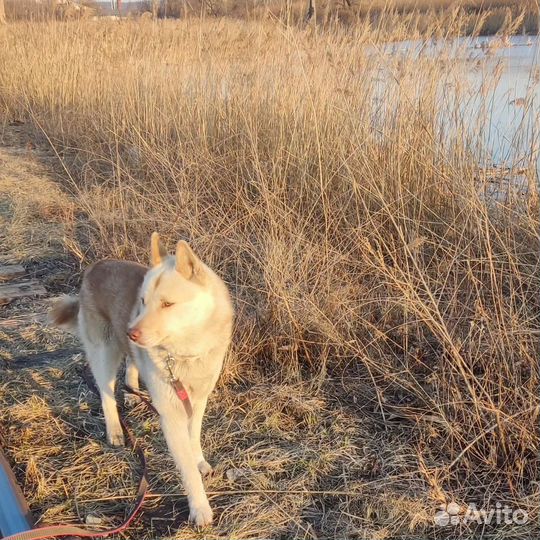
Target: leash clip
179,388
172,378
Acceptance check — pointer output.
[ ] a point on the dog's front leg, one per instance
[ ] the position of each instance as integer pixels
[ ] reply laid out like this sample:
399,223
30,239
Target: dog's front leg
176,431
195,425
132,374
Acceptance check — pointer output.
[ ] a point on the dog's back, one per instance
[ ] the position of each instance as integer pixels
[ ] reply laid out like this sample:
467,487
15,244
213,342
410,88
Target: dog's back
108,293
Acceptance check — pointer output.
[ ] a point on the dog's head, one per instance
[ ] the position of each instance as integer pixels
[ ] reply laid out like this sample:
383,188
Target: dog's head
175,297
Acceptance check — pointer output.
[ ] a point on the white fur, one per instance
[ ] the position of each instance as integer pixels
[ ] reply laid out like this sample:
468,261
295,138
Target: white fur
195,330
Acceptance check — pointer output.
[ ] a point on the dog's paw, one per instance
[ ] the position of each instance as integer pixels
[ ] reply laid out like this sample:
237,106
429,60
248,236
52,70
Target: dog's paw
201,514
204,467
116,438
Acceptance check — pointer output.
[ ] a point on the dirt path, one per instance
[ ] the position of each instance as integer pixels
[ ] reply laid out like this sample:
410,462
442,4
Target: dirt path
35,359
35,217
51,424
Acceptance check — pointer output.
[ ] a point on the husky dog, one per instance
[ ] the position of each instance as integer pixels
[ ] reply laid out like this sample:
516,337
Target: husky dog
173,322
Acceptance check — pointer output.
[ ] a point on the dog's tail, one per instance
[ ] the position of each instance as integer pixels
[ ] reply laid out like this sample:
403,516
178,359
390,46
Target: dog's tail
64,313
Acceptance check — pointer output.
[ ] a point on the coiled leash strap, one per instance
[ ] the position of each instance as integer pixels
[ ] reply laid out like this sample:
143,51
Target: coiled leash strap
57,531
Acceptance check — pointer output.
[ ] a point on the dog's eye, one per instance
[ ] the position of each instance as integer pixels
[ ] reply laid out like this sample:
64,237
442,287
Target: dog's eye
142,300
165,304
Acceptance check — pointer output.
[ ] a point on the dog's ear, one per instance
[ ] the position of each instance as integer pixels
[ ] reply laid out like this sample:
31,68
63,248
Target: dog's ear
157,251
187,263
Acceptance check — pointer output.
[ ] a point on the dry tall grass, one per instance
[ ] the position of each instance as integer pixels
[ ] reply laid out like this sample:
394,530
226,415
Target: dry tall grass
351,230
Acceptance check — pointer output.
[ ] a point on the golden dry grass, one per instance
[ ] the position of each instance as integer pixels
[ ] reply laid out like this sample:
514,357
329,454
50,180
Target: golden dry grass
387,337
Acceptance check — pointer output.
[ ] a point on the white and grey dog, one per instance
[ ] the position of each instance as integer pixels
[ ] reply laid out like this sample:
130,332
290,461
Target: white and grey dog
173,322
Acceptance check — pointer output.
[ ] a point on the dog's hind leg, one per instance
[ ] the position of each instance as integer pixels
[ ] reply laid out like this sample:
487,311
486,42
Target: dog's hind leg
104,360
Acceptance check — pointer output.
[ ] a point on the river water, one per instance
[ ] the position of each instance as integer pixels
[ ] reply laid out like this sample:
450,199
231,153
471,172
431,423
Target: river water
489,89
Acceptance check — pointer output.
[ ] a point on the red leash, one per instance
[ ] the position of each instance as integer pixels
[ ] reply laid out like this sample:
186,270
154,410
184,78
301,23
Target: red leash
56,531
